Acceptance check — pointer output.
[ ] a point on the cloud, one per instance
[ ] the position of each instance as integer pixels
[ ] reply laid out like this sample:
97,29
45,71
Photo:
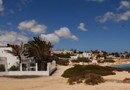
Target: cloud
122,13
53,38
38,29
73,37
117,17
82,27
100,1
65,32
12,37
1,6
123,17
124,4
32,26
107,16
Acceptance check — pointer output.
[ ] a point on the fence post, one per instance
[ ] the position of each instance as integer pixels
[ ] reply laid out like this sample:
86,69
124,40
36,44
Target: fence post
36,67
6,67
54,63
20,66
48,68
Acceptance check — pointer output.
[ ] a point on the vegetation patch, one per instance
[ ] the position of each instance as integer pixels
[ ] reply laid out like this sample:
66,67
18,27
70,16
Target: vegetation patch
63,62
93,79
14,68
90,74
2,68
75,79
81,60
109,60
89,79
82,70
126,80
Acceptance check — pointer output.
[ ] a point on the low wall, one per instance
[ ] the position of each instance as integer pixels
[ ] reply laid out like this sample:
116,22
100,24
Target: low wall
44,73
3,73
51,67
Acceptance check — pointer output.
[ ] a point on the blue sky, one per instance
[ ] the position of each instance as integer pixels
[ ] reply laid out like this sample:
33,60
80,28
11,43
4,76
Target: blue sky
78,24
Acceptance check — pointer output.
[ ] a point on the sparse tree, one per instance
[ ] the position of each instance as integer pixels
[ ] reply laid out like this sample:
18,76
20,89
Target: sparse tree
17,50
40,51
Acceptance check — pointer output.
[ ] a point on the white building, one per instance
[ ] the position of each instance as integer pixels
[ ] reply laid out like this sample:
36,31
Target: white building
87,55
84,55
7,58
73,57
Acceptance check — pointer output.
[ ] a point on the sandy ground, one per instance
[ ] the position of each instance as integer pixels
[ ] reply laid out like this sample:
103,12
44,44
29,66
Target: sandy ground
55,82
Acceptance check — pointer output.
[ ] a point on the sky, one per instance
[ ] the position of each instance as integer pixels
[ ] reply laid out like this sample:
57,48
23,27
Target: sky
77,24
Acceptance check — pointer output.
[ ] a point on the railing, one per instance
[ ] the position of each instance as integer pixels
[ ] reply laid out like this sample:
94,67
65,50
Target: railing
51,67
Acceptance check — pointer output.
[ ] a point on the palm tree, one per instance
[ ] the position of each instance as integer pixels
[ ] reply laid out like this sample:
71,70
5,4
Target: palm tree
17,50
39,50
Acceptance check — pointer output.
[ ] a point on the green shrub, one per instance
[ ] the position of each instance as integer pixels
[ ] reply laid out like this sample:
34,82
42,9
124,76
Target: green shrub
93,79
14,68
83,59
79,70
126,80
63,62
2,68
109,60
75,61
62,55
90,79
75,79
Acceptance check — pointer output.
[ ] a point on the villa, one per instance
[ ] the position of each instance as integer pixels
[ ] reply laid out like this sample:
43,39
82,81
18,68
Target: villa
7,58
63,51
27,66
84,55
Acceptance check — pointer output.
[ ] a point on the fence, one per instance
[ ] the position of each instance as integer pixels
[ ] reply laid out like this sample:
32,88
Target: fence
51,67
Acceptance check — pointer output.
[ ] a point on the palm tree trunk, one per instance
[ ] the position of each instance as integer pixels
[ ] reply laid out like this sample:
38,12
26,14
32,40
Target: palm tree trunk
20,59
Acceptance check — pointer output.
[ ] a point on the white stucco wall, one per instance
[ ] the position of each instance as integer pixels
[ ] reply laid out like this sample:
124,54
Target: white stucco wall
11,60
51,67
87,55
73,57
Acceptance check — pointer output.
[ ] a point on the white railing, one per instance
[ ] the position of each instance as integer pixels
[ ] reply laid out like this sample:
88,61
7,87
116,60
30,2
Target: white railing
51,67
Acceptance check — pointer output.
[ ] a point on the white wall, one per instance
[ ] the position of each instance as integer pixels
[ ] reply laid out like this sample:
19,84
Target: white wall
11,60
87,55
73,57
51,67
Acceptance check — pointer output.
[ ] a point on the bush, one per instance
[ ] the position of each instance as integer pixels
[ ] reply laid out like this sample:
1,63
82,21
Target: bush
75,61
109,60
67,55
93,79
126,80
2,68
79,70
63,62
75,79
90,79
83,59
14,68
